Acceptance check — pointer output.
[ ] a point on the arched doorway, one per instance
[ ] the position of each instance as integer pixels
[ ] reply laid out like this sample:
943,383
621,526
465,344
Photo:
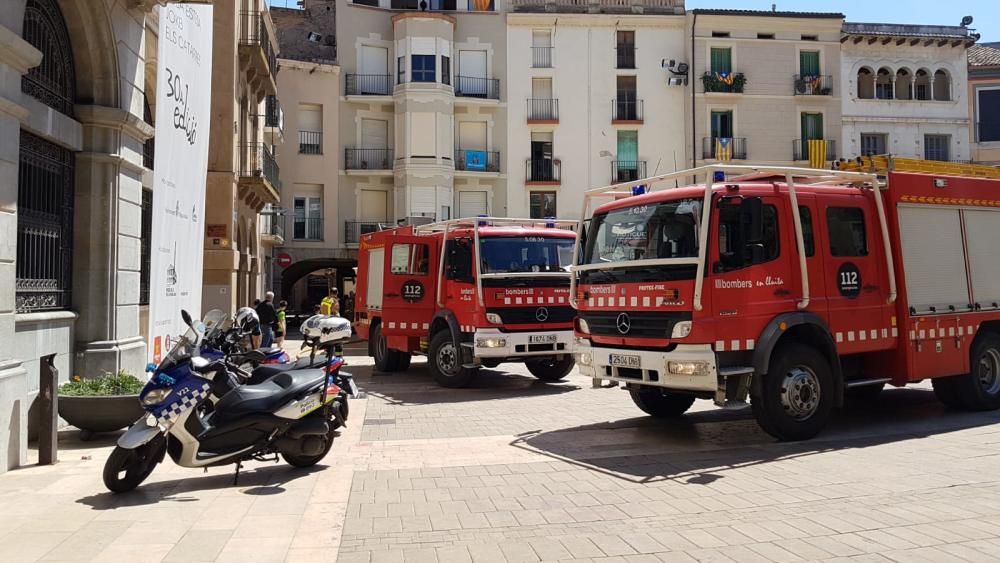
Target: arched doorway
305,283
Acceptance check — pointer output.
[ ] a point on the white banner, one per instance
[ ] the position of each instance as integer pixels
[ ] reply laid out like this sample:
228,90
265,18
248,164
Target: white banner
183,105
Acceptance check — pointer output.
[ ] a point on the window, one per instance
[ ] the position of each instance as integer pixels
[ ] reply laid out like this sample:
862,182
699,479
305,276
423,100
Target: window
423,68
988,115
445,70
625,48
873,143
308,218
542,204
401,70
810,38
721,60
735,250
808,240
936,147
53,82
722,124
809,63
145,246
720,34
765,36
541,49
846,228
409,259
883,84
310,129
459,260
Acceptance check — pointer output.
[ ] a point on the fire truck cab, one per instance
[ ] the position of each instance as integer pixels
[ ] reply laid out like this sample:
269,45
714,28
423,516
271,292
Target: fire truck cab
793,287
468,293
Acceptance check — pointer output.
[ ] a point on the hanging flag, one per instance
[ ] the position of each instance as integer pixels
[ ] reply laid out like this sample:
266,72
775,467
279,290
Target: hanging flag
723,149
817,153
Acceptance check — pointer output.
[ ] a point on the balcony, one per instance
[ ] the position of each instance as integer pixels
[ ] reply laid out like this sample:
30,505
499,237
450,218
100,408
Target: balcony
368,85
626,110
543,110
627,170
354,230
477,161
800,149
473,87
307,228
667,7
812,85
368,159
272,226
256,53
724,82
542,172
541,57
724,148
258,174
274,120
625,56
310,142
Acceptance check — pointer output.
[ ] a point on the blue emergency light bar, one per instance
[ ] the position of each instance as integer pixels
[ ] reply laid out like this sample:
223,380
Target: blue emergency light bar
638,190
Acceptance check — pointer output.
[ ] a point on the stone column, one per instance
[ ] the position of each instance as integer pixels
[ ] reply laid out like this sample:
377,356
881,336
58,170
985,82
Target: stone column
106,253
16,57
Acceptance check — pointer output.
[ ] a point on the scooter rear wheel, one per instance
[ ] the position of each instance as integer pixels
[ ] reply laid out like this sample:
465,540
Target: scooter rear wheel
127,469
302,460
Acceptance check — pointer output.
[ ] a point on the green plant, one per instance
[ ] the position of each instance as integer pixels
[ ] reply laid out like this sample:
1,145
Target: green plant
716,82
108,384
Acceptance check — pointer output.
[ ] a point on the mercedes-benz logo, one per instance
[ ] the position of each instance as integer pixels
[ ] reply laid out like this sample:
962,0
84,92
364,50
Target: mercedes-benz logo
624,323
541,314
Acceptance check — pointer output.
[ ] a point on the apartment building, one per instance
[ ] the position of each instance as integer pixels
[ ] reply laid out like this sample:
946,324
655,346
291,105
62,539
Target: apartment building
595,96
905,90
765,86
984,102
243,174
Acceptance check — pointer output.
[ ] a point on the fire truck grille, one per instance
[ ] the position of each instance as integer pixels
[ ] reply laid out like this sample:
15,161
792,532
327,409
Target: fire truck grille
533,315
640,324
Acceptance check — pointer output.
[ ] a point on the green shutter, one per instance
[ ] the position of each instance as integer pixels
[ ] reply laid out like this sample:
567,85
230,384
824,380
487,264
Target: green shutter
812,126
721,60
809,63
628,146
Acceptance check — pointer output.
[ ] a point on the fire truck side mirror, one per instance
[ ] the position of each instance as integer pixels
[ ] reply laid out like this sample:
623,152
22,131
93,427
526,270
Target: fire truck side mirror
752,218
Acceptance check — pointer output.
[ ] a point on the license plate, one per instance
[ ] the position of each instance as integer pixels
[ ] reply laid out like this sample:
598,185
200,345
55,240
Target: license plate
624,360
542,339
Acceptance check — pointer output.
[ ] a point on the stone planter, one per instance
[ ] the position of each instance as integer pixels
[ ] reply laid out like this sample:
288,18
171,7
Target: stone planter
100,414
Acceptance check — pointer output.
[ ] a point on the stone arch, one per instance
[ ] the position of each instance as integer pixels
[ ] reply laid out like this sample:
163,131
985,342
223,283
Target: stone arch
96,54
866,83
942,85
883,83
53,81
904,83
922,84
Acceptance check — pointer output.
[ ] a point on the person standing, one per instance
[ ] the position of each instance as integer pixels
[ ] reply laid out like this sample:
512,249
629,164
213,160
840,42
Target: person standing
268,320
255,335
279,334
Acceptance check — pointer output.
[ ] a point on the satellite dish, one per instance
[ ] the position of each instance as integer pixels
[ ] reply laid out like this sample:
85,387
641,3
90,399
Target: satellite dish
966,21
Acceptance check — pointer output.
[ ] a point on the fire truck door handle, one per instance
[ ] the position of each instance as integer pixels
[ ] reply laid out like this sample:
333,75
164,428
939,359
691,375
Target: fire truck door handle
392,295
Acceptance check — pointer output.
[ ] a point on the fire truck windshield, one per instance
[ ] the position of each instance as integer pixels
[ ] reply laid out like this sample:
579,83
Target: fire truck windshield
501,255
645,232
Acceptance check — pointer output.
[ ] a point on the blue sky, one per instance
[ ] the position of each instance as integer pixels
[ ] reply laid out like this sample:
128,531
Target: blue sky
985,12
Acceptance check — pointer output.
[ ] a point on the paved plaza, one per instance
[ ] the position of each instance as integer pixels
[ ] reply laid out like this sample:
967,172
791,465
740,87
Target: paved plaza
517,470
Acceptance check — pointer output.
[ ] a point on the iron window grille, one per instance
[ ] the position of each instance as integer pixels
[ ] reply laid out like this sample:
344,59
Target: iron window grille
53,81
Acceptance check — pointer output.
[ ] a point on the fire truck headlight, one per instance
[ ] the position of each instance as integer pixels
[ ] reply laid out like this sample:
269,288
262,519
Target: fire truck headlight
582,325
688,368
586,359
494,318
681,329
491,342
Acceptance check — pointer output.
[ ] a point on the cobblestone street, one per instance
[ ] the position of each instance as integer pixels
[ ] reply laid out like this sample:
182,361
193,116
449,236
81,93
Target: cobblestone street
517,470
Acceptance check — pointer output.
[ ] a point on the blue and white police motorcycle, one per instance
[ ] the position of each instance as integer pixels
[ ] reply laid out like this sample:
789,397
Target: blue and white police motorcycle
294,413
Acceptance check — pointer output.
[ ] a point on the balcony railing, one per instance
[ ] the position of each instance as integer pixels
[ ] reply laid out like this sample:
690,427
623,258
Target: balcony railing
273,116
353,230
627,170
812,85
732,82
257,161
543,109
542,171
310,142
474,87
477,161
598,6
369,85
800,149
272,224
987,131
541,57
368,159
625,56
254,34
626,109
724,148
307,228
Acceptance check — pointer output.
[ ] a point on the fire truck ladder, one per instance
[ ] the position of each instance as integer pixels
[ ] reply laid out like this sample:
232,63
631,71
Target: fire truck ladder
882,164
811,176
475,223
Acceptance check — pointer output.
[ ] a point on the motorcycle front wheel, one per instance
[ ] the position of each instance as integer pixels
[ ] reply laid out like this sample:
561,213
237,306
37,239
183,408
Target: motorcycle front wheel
127,469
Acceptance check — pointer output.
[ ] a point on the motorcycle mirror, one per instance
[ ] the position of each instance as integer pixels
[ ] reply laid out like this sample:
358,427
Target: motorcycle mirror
186,317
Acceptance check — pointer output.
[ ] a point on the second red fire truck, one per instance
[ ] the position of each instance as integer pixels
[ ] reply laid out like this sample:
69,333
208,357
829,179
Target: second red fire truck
792,286
468,293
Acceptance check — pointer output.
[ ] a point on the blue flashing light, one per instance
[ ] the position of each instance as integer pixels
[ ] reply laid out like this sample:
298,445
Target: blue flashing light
638,190
719,176
549,224
482,223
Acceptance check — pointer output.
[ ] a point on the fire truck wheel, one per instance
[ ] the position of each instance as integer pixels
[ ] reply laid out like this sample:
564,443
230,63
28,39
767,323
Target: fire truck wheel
551,369
402,360
944,390
661,404
386,359
445,362
796,395
979,390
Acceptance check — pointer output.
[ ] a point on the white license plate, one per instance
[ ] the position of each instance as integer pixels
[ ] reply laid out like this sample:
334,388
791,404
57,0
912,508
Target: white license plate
542,339
624,361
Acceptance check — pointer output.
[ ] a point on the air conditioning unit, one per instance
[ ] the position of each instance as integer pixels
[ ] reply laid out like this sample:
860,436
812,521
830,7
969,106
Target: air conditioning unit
677,81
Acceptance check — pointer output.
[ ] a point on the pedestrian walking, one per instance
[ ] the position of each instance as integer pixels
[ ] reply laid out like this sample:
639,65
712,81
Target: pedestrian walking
268,320
255,334
279,334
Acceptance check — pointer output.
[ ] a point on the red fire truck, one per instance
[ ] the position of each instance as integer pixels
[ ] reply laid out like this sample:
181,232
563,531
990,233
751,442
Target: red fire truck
468,293
793,286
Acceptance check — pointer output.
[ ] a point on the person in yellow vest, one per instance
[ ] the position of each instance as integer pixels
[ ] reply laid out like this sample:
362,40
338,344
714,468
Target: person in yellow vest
330,304
326,305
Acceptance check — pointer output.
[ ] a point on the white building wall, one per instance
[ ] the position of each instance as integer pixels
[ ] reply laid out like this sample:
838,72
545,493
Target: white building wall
905,122
584,81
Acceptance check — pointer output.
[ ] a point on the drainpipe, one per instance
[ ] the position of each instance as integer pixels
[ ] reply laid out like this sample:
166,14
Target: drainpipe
694,128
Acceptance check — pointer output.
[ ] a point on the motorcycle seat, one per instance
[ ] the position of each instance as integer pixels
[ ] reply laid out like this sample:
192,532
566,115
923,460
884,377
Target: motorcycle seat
269,395
262,373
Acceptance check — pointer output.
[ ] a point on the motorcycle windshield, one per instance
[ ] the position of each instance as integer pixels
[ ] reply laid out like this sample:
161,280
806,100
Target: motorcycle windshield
184,347
216,323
